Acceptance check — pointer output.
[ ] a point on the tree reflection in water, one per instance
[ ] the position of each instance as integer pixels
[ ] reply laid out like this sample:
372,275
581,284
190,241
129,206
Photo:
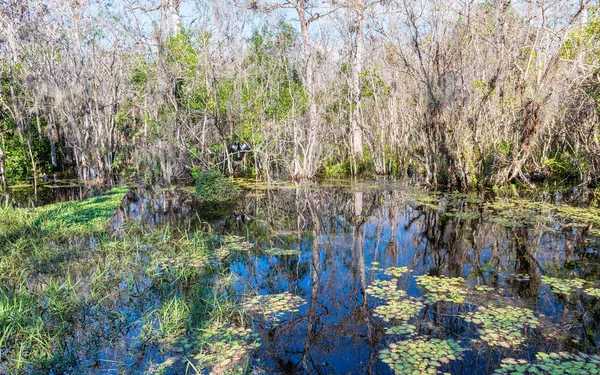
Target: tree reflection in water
346,237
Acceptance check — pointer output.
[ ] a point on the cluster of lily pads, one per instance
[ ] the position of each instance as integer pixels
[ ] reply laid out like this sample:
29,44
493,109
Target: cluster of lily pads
403,310
396,271
273,307
231,243
566,287
386,290
420,355
275,251
227,348
592,292
563,286
448,289
502,326
553,363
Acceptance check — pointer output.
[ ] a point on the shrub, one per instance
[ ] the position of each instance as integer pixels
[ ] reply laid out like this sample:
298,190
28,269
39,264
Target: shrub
213,187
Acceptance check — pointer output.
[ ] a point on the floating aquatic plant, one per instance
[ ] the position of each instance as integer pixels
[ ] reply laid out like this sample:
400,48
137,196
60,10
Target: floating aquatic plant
593,292
275,251
399,310
484,288
520,276
396,271
553,363
420,355
563,286
226,347
273,306
449,289
401,329
229,244
387,290
502,326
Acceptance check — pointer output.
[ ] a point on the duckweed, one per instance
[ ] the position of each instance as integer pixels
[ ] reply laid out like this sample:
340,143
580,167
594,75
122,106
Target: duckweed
420,355
502,326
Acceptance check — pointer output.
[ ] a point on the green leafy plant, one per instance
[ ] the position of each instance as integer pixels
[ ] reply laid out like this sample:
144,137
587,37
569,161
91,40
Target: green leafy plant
213,187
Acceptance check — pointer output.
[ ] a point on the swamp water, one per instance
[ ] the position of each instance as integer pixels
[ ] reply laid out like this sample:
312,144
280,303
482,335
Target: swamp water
367,278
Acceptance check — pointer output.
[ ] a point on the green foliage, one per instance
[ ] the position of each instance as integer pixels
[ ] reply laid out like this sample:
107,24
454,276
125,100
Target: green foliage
172,317
212,187
420,355
566,166
17,162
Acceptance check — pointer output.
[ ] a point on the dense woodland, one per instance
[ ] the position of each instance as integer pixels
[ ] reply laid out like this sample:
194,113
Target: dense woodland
463,93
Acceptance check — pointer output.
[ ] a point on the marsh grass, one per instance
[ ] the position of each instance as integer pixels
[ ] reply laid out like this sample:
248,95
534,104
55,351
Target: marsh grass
71,287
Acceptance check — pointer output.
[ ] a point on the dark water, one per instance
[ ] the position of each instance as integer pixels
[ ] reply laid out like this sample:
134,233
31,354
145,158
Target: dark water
40,193
345,237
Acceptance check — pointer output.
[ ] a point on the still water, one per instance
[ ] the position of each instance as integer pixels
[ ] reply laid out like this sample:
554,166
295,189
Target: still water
355,254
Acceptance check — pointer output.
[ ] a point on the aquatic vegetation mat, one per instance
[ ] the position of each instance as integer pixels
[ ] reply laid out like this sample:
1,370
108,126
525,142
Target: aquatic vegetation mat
402,310
552,364
226,348
386,290
420,355
563,286
592,292
401,329
503,326
273,307
443,288
275,251
396,271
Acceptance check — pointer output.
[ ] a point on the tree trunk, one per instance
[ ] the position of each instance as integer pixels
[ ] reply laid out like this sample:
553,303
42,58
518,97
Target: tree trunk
306,158
357,56
174,18
3,184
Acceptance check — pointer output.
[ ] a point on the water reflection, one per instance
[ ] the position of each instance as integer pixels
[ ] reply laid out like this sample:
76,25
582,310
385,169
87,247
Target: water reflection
344,237
347,237
41,192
